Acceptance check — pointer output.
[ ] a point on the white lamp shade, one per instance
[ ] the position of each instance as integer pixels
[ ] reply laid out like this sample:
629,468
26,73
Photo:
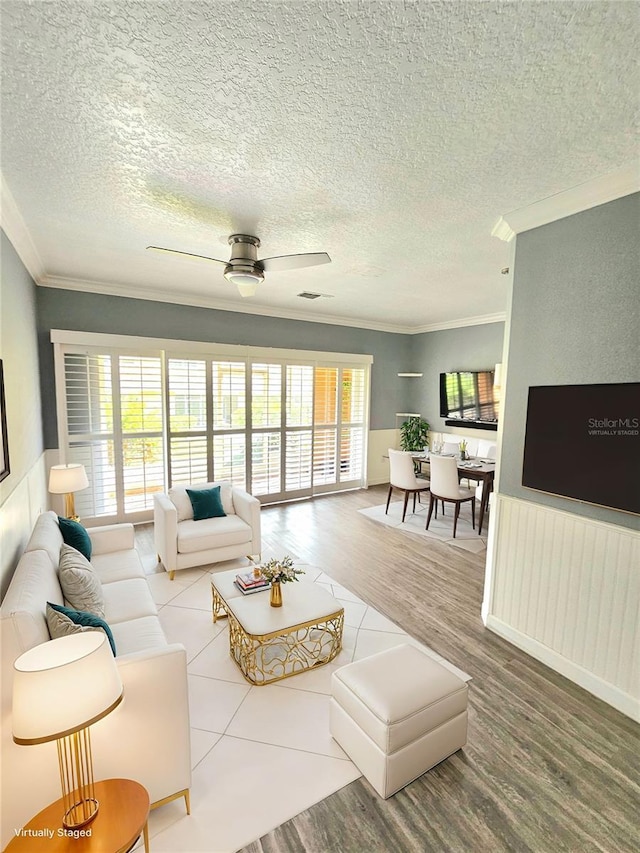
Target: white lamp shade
497,376
62,686
64,479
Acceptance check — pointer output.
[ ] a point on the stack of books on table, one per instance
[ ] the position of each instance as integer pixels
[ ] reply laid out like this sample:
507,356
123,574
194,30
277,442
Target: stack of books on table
247,582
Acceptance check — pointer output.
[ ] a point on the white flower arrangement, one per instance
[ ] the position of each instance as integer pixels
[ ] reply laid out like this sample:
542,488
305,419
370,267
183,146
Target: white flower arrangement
280,571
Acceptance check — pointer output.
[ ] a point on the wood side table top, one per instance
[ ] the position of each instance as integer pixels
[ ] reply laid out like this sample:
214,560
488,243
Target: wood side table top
121,819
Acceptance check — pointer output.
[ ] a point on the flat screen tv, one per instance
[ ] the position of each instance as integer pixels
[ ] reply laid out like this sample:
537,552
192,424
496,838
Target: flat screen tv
583,442
467,395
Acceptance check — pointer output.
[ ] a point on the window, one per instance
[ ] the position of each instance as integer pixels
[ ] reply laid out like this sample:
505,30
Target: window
140,422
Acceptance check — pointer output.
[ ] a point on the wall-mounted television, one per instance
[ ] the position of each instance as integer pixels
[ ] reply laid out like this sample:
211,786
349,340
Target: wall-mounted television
583,442
467,395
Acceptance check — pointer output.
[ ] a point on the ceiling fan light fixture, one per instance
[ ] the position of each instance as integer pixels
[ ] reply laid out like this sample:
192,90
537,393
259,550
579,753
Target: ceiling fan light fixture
246,277
247,288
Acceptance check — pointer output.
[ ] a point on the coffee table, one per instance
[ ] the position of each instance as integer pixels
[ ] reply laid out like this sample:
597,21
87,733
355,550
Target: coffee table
271,643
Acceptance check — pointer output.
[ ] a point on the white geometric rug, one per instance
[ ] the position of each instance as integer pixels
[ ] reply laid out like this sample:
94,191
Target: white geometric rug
440,528
260,755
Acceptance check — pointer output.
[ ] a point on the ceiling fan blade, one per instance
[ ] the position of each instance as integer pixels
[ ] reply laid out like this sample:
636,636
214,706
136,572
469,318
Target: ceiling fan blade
294,262
185,255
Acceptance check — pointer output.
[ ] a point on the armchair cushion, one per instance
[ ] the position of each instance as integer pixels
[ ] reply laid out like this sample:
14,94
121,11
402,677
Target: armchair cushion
180,499
209,533
206,503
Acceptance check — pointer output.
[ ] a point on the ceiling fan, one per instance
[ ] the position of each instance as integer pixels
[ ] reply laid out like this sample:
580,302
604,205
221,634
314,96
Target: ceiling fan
244,269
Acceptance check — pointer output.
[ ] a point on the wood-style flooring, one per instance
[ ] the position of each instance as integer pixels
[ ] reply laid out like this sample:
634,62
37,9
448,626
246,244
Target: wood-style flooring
547,766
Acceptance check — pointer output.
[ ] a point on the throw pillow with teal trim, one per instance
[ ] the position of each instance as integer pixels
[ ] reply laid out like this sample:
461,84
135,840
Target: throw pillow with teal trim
206,503
64,620
76,535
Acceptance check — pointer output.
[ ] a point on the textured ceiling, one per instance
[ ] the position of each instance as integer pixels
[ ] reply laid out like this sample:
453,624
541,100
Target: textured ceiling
390,134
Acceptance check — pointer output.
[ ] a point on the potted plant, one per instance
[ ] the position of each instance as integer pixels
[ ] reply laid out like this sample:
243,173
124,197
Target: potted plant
463,449
414,434
279,572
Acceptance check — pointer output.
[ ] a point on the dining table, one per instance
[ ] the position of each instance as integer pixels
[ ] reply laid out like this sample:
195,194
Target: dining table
481,470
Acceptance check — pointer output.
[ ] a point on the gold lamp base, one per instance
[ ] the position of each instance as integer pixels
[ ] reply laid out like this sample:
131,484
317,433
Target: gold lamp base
76,778
70,507
80,813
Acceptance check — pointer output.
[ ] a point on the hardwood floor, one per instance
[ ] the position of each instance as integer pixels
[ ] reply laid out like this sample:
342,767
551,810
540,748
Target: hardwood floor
547,766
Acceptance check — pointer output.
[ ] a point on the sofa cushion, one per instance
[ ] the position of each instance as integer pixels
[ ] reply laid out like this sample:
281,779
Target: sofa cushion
180,499
206,503
210,533
80,584
139,635
65,620
35,581
128,599
76,535
46,536
117,566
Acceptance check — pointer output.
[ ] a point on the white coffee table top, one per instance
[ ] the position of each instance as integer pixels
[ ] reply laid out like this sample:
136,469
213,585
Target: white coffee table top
302,602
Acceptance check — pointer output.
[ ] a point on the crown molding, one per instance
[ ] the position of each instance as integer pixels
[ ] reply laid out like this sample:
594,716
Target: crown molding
128,292
481,320
16,230
597,191
125,291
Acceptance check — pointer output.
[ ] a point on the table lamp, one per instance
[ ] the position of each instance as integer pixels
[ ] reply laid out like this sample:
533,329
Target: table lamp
65,480
60,689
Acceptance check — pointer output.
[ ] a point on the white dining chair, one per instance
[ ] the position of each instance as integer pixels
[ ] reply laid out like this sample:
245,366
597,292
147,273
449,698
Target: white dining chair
450,447
445,487
402,476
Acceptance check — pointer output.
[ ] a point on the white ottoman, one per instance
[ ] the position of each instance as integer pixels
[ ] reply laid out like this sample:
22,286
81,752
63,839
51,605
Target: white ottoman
397,714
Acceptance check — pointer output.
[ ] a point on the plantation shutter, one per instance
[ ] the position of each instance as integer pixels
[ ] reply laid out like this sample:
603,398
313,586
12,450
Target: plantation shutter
266,423
229,394
142,421
187,403
299,432
90,436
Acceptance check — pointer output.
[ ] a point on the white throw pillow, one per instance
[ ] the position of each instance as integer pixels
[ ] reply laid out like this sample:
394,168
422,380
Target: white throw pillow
180,499
80,584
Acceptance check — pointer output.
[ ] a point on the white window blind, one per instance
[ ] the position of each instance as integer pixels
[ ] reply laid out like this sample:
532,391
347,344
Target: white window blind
90,436
187,405
141,422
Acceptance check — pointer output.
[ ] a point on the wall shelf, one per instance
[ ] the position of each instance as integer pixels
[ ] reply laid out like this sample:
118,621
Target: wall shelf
409,374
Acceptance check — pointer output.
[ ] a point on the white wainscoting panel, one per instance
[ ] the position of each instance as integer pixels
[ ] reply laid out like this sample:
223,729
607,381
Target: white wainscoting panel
18,515
567,590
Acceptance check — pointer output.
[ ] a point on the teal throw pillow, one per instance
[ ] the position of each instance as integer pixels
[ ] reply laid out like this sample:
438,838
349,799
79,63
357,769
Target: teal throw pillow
76,535
206,503
79,617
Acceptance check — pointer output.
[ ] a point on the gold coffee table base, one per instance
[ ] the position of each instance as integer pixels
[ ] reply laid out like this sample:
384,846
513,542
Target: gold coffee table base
265,658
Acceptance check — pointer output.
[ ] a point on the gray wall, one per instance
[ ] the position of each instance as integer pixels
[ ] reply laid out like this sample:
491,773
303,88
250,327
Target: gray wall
433,353
90,312
575,320
19,353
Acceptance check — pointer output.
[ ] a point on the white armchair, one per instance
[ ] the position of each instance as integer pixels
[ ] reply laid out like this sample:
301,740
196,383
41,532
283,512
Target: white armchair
182,543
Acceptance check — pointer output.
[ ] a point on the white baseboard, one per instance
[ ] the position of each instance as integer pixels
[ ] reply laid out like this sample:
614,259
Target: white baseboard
623,702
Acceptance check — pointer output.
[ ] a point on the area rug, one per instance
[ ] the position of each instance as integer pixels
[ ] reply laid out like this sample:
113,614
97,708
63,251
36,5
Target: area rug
260,755
440,529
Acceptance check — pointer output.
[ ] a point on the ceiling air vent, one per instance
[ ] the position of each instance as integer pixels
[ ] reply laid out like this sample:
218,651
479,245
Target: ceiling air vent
307,294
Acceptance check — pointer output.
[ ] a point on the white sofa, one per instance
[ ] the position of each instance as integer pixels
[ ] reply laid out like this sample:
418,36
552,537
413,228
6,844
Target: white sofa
182,543
147,738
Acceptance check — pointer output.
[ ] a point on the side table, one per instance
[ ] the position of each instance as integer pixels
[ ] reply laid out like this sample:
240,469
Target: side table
121,819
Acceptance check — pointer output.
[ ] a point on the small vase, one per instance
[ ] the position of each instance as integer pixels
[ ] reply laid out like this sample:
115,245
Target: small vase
275,594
